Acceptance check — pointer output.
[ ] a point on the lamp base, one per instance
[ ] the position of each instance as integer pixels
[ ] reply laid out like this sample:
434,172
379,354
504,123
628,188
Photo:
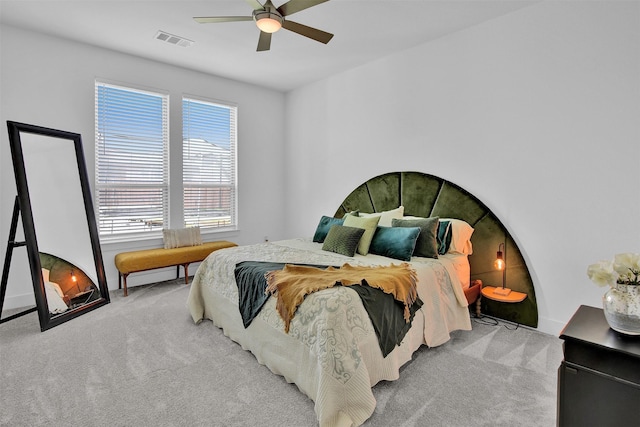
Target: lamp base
502,291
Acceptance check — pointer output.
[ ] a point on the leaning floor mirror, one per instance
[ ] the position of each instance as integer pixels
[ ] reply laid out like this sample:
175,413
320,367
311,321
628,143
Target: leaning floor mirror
56,209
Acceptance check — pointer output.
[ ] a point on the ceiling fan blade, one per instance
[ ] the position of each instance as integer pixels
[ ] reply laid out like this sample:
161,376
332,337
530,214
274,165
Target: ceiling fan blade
214,19
312,33
293,6
254,4
264,42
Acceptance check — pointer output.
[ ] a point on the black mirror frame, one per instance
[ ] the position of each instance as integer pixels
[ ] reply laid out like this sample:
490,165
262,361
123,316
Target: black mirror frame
47,320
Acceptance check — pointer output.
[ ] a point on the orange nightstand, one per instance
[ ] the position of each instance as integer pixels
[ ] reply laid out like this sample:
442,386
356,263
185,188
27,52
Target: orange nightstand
513,296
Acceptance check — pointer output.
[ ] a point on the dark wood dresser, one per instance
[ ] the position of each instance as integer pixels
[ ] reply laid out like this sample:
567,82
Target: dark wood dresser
599,378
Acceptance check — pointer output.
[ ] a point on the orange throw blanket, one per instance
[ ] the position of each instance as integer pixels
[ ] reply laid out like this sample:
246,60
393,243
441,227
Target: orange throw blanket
294,282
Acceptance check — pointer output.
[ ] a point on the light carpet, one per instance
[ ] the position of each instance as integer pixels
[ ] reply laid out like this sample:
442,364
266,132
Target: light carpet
141,361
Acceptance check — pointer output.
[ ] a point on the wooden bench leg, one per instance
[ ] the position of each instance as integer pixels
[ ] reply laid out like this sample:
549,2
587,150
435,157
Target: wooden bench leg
124,279
186,273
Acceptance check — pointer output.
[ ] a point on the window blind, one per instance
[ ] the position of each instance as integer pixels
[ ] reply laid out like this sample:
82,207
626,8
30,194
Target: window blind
132,160
209,164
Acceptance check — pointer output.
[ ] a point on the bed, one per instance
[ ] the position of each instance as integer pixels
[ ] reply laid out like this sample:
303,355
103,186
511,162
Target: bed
332,350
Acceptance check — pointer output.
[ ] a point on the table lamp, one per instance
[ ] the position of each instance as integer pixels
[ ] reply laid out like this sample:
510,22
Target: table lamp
501,265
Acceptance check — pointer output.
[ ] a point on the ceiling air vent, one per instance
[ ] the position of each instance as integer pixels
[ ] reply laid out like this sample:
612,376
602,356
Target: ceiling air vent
177,40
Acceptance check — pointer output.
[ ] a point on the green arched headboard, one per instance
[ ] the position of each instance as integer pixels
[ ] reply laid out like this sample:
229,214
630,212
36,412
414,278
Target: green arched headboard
427,195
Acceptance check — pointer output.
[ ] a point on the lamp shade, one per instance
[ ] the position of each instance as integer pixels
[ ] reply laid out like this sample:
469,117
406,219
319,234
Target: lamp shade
499,263
268,22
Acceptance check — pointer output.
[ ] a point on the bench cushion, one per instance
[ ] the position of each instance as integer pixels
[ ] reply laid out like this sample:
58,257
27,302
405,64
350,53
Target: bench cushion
148,259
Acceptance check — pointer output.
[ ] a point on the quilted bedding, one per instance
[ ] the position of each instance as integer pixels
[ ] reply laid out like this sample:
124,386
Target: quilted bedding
331,351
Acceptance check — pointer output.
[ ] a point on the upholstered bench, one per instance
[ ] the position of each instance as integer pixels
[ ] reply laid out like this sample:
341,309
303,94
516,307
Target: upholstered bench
150,259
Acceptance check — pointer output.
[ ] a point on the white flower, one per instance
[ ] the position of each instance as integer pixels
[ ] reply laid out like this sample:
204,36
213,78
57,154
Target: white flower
602,273
622,263
624,269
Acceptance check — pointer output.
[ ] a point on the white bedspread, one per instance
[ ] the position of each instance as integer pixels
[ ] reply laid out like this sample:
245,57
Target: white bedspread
331,352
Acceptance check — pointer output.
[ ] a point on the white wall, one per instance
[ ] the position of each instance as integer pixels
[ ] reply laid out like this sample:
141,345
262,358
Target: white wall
536,113
50,82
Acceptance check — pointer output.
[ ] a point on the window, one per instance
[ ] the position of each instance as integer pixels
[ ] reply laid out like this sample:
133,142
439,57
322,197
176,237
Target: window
209,163
132,160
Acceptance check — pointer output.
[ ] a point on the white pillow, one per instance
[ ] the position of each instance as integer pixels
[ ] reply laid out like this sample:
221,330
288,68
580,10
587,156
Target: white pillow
177,238
54,299
45,274
57,288
385,216
461,233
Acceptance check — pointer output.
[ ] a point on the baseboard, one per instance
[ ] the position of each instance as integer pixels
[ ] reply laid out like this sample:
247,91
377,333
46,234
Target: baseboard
549,326
545,326
19,301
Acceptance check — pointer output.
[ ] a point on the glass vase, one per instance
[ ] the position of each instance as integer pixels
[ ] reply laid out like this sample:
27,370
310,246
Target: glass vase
621,305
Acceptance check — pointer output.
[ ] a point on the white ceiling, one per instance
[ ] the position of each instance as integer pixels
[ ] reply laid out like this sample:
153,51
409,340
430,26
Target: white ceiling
364,30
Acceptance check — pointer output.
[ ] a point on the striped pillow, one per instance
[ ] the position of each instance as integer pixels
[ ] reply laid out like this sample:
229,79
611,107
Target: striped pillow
177,238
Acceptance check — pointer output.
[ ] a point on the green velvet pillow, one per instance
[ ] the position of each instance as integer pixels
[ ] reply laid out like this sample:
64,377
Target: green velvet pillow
342,240
395,242
444,237
427,244
323,227
368,224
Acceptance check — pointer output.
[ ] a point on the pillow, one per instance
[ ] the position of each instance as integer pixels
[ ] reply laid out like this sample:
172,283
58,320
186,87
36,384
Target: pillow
323,227
427,243
444,237
177,238
395,242
56,287
55,303
454,236
369,225
461,233
45,274
342,239
386,216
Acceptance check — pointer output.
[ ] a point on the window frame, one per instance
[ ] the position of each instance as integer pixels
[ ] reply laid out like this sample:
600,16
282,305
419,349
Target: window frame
164,186
232,164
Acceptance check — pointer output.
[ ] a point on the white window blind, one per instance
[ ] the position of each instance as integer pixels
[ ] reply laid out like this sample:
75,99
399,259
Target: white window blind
132,160
209,164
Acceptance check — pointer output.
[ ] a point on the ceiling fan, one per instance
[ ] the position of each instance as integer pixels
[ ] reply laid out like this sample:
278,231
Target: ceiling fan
270,19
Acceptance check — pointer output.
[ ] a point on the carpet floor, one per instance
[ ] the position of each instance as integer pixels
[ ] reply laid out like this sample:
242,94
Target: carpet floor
141,361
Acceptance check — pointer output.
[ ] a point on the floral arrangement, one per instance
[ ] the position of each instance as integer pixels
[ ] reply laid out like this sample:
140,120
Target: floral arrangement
624,269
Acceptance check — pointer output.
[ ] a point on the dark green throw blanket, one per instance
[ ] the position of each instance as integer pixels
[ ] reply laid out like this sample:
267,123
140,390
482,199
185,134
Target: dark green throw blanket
386,314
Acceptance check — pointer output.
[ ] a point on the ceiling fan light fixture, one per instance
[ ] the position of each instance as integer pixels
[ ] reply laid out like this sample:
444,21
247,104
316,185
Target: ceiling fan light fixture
267,21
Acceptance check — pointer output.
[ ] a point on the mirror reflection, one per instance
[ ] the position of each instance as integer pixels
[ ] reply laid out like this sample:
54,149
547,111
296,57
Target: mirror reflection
59,223
57,204
66,286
